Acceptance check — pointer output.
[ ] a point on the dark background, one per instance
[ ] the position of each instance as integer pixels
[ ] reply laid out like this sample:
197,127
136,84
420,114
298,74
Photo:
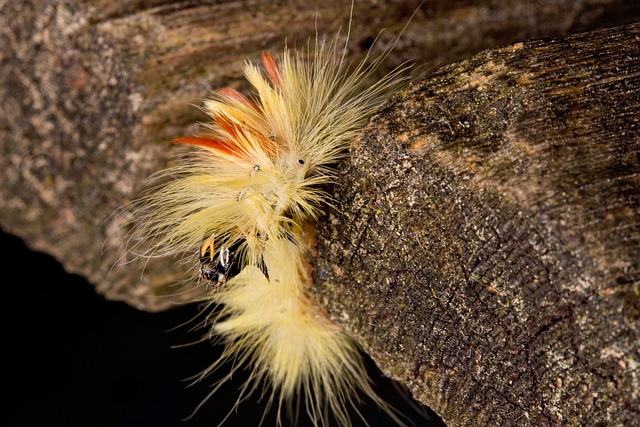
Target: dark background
73,358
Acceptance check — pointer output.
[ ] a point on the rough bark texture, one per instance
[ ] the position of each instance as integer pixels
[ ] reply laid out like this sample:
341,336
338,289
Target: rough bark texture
94,91
486,244
487,249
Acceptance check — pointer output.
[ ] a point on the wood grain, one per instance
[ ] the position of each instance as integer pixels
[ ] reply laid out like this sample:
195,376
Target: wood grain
486,242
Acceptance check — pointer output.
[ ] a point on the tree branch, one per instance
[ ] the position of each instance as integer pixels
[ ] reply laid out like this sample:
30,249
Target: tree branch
486,247
93,91
486,242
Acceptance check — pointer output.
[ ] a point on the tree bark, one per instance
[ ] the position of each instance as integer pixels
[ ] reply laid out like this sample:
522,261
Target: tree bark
94,91
485,246
487,242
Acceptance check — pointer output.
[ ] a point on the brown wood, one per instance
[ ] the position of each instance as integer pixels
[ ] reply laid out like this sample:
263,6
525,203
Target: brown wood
93,91
504,291
485,247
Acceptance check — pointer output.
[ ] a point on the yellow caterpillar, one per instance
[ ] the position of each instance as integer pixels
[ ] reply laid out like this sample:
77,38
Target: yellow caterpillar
246,199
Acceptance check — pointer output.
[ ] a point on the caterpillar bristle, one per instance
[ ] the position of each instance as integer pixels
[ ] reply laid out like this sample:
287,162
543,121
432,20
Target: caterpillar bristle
247,197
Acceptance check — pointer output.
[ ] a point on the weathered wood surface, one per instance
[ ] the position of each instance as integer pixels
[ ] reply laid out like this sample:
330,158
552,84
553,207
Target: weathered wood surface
93,91
504,278
486,242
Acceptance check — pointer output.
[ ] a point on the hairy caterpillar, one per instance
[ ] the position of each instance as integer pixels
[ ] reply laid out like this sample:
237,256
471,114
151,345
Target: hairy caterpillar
242,206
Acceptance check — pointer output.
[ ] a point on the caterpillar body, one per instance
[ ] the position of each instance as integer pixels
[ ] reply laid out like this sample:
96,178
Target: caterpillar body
241,206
